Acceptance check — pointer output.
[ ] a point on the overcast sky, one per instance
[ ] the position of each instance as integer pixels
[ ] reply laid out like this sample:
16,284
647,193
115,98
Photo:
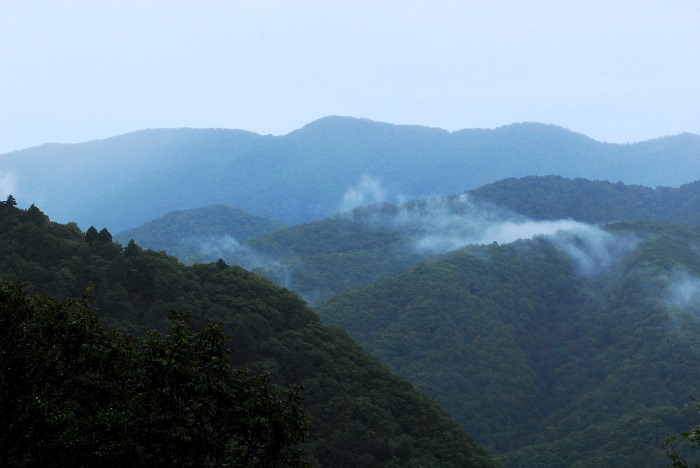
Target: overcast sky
618,71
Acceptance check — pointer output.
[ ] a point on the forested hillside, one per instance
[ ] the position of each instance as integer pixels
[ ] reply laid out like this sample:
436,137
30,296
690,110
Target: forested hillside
201,235
317,259
547,361
318,170
361,414
323,258
594,201
573,348
75,394
553,342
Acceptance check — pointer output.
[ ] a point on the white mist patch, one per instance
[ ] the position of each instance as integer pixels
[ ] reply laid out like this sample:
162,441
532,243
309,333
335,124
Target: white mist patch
8,184
683,290
229,249
441,225
592,249
682,298
509,231
369,190
233,252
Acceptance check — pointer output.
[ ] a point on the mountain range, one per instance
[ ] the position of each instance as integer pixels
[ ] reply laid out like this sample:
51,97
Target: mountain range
330,165
565,342
541,286
322,258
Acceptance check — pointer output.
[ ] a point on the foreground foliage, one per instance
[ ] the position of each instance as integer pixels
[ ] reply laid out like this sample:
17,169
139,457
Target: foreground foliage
74,395
690,438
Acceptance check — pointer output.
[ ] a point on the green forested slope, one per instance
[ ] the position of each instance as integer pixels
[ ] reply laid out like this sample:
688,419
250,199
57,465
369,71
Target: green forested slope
75,394
545,366
200,235
322,258
360,413
594,201
317,259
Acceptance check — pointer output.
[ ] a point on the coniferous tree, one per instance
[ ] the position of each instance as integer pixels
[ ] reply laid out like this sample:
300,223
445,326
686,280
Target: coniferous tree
104,236
91,235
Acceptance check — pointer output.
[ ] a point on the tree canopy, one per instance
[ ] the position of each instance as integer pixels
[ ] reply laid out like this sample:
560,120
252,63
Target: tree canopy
72,394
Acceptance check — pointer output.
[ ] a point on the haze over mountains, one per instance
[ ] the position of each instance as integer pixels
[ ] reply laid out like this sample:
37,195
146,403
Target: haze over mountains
542,287
574,346
331,164
322,258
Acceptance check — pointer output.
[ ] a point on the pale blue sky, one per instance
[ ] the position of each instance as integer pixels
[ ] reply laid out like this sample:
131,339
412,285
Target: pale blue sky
618,71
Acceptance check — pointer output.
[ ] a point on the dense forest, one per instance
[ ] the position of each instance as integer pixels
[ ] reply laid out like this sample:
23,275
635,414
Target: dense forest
322,258
75,395
595,328
572,346
360,414
546,364
318,259
555,197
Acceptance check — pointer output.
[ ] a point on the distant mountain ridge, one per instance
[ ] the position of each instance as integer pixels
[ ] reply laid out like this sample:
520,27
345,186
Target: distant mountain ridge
124,181
593,201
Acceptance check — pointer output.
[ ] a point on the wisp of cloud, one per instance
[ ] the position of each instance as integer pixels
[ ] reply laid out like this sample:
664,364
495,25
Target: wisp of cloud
367,191
211,248
439,225
592,249
683,290
8,184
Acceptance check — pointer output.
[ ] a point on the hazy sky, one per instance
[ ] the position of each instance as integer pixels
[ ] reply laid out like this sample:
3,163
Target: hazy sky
617,71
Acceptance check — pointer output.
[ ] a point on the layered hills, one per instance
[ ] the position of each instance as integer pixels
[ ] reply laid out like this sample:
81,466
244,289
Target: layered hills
361,414
329,165
202,235
554,317
548,362
322,258
555,342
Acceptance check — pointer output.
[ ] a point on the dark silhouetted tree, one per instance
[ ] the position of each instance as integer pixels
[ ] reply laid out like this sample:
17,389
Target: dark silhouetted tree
104,236
91,235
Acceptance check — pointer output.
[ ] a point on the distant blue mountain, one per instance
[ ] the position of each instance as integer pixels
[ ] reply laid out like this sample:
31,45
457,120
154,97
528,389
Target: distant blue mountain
124,181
